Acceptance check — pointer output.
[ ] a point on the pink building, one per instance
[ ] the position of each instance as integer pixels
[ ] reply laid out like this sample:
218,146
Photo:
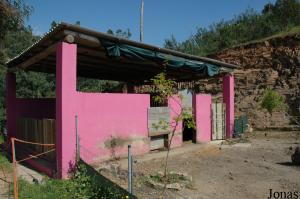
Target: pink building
106,123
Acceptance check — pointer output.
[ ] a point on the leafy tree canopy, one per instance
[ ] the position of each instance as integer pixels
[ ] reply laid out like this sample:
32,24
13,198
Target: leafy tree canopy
120,33
12,15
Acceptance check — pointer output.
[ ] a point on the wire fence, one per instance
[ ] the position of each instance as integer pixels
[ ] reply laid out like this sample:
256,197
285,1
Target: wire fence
9,177
14,181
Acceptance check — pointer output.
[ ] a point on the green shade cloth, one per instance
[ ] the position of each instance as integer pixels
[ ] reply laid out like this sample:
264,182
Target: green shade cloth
116,51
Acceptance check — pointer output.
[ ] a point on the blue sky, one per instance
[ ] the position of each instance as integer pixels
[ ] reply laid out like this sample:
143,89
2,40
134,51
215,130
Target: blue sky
162,18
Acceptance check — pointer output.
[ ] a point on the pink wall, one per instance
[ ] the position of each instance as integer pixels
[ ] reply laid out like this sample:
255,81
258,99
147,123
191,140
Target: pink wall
108,119
228,98
103,119
30,108
66,57
20,107
175,105
202,109
10,103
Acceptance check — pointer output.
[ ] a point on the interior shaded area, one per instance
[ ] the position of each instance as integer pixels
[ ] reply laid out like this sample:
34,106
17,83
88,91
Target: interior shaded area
100,86
34,84
188,134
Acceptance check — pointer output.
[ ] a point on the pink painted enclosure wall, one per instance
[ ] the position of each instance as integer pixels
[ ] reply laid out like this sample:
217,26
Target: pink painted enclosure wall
26,108
175,105
228,98
106,120
66,58
202,109
10,103
107,123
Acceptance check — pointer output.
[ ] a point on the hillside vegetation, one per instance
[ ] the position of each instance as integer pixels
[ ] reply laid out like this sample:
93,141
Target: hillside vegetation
274,19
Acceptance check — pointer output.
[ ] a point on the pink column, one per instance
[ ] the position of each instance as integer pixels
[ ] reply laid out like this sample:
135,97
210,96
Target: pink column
174,103
11,120
202,112
228,98
65,107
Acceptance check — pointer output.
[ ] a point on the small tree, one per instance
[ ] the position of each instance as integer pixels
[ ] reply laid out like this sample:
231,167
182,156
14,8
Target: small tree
272,100
165,88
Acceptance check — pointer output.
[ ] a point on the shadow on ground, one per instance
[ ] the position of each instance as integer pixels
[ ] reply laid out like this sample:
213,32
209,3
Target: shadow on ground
290,164
106,183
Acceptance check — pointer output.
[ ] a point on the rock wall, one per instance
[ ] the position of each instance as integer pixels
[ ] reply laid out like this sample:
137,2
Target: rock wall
273,63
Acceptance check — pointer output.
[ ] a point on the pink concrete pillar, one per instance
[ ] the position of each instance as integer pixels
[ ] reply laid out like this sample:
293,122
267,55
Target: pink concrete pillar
175,105
11,120
228,99
202,112
66,56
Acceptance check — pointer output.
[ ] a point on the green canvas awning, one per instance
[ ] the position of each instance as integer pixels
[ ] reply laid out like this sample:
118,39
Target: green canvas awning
116,51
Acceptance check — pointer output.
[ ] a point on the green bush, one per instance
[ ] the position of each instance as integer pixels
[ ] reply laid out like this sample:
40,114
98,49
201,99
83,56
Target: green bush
4,162
272,100
49,188
85,183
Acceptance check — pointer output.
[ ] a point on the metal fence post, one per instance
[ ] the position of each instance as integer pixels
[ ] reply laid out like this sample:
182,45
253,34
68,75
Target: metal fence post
131,163
77,140
242,124
16,194
129,170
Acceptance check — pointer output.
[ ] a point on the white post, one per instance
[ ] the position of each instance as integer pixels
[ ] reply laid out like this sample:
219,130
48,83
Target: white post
142,22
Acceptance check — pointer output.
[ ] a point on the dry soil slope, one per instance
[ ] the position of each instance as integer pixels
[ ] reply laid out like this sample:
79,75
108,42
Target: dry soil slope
272,63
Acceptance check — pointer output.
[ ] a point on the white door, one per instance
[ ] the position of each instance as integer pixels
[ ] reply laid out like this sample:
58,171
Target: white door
218,121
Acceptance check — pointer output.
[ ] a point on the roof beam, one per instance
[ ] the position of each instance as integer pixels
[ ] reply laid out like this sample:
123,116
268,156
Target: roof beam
38,57
95,35
84,39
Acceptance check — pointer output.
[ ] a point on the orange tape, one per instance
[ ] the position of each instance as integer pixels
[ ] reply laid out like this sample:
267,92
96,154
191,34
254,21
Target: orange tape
33,142
35,156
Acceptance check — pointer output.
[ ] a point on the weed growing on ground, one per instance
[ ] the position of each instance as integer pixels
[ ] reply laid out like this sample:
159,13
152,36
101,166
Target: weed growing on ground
172,180
4,162
81,185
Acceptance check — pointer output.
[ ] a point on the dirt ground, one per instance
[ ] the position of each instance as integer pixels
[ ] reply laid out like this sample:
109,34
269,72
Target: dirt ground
247,169
239,168
5,183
